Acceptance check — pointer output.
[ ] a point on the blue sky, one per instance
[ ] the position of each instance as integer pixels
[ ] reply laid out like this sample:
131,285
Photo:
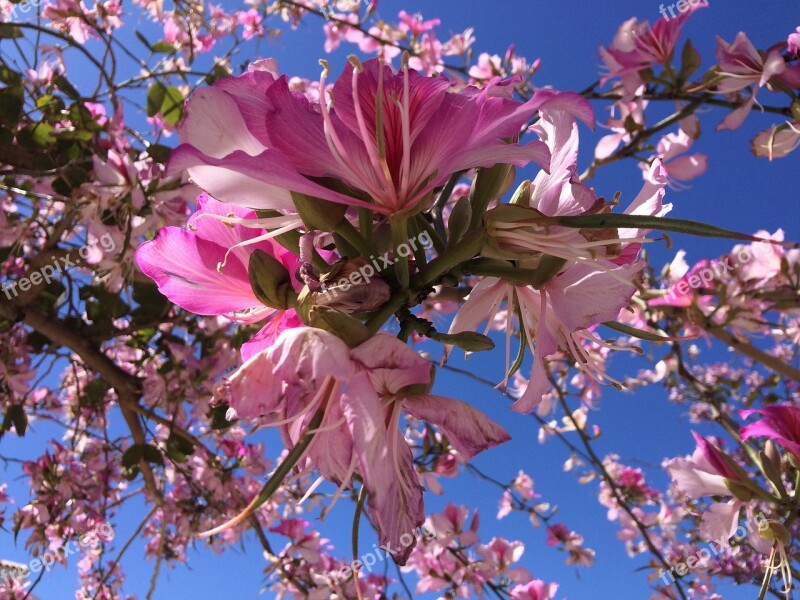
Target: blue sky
738,192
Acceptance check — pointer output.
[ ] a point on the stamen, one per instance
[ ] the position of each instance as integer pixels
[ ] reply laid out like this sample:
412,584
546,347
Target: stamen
261,238
380,168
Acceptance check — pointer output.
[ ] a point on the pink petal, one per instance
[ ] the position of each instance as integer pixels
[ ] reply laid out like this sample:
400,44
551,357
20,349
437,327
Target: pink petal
390,364
688,167
214,125
720,520
468,429
395,496
185,269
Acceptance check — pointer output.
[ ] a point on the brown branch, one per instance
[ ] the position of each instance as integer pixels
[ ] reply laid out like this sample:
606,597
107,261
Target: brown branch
127,386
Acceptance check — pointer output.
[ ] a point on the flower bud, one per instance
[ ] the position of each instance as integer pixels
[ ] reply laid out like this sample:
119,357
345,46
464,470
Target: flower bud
270,281
776,532
321,215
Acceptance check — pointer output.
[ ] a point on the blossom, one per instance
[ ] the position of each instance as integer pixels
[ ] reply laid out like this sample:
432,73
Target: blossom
777,141
672,149
740,66
249,140
638,46
204,269
534,590
598,276
363,392
793,42
779,422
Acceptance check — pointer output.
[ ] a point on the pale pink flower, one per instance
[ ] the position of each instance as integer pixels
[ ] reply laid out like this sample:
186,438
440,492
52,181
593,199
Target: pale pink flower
741,66
363,392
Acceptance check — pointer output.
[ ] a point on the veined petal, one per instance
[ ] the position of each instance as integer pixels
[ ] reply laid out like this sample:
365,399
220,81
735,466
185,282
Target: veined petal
184,268
390,364
259,182
395,495
583,296
214,125
468,429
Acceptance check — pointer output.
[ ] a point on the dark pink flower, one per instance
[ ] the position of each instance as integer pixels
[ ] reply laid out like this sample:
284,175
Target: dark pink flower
780,423
390,137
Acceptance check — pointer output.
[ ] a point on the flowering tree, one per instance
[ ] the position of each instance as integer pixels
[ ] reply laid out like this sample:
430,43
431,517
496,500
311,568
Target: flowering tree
309,254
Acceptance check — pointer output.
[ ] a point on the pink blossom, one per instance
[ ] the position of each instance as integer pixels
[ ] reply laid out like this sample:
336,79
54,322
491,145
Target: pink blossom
187,266
793,42
740,66
251,23
777,141
779,422
534,590
638,46
307,370
427,135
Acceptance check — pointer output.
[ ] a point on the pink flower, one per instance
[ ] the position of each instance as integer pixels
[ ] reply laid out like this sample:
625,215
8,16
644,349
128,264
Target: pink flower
793,42
363,392
686,167
415,25
594,284
740,66
251,23
777,141
638,46
187,267
249,139
780,423
534,590
703,473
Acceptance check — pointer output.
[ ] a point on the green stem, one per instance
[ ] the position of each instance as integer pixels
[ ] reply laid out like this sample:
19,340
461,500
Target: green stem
376,321
464,250
365,221
362,494
399,227
352,236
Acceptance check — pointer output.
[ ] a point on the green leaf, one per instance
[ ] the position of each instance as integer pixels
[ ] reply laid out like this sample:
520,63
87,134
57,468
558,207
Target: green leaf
10,106
159,153
95,391
65,86
460,218
471,341
690,61
217,416
163,47
132,455
39,134
621,220
155,98
641,333
15,416
172,108
152,454
82,118
179,448
9,76
143,39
